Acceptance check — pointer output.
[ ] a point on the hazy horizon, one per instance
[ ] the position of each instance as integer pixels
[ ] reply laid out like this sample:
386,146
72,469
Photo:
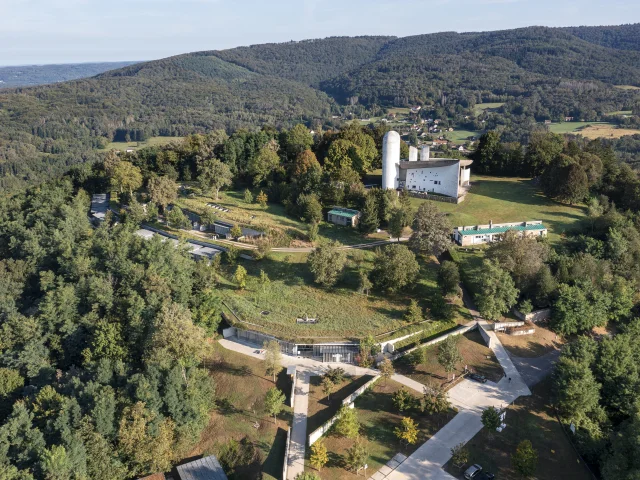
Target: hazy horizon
39,32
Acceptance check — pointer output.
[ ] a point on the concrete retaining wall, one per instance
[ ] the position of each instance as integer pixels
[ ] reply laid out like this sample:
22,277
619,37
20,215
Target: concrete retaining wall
529,331
229,332
286,455
294,377
388,346
500,326
320,431
535,316
486,337
459,331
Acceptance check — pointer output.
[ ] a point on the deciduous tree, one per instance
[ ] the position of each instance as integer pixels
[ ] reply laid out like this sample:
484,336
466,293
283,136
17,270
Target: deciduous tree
525,459
431,230
326,263
498,292
272,358
448,354
319,456
163,191
213,176
347,424
274,402
407,431
395,267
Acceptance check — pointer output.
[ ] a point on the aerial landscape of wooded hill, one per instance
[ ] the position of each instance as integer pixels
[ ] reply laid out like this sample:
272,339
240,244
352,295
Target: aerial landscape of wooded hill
538,73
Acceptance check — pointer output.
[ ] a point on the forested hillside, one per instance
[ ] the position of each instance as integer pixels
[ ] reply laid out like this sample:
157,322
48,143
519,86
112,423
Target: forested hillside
29,75
539,73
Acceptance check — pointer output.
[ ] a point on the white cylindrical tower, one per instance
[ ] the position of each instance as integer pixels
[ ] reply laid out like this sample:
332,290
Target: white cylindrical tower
390,159
413,154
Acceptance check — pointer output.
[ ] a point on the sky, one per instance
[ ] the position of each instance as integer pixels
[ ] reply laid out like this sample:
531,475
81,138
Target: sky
73,31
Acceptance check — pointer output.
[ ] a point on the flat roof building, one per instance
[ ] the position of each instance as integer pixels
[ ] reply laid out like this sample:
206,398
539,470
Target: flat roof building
480,234
99,206
343,216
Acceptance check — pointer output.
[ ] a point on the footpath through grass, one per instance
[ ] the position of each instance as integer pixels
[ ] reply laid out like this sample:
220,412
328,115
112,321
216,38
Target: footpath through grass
241,386
378,418
530,418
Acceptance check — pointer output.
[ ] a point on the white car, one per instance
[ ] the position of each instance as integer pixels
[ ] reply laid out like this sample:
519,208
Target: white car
472,472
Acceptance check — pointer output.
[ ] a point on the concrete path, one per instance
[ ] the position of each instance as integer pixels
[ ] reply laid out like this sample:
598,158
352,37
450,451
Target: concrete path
534,370
298,441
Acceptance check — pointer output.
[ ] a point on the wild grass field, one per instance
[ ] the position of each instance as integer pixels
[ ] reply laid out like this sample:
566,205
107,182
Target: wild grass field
459,137
151,142
241,385
378,418
593,130
342,312
503,199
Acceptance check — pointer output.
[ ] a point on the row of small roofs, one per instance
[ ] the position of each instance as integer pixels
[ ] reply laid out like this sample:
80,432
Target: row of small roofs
497,228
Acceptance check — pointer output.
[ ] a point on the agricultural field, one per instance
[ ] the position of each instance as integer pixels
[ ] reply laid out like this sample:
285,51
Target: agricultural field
502,199
342,312
378,418
151,142
476,356
241,385
481,107
593,130
530,418
459,137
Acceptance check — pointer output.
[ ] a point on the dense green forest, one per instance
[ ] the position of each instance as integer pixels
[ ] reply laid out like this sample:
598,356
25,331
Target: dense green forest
540,73
29,75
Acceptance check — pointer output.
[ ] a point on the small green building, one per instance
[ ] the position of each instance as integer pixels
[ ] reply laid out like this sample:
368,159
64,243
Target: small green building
343,216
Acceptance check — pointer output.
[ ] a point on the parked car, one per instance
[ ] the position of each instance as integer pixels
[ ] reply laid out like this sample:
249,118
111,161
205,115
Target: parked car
473,472
477,377
485,476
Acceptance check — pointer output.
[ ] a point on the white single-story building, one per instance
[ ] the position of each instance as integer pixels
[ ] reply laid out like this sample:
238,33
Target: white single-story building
480,234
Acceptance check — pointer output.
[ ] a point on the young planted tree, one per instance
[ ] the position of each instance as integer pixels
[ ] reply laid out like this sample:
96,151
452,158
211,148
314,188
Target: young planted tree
274,402
327,386
386,369
326,263
273,358
459,455
319,456
525,459
248,196
240,277
213,176
413,313
236,231
407,431
347,424
336,375
264,280
491,419
357,455
365,284
448,354
262,199
403,400
434,399
308,476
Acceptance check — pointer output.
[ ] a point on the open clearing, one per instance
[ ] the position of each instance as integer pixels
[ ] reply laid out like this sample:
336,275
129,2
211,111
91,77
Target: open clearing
460,137
241,385
476,356
480,107
531,419
531,346
378,418
593,130
151,142
342,313
510,200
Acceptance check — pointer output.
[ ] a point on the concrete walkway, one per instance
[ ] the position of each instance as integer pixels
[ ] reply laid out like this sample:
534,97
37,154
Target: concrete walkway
298,441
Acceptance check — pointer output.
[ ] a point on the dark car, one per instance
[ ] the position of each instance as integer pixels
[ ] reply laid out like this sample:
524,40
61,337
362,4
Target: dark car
477,377
485,476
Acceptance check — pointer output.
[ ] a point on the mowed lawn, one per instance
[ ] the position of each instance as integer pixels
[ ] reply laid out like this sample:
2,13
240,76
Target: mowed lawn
342,312
530,418
461,136
475,354
378,418
241,385
500,200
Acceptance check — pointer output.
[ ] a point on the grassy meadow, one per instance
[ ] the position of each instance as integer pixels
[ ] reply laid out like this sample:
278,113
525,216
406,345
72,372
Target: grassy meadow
593,130
459,137
342,312
480,107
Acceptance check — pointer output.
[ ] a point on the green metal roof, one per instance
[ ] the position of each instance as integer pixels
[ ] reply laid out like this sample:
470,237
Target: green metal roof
344,212
494,230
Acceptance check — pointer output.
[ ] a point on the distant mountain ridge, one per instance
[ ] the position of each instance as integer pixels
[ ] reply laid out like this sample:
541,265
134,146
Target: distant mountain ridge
537,72
31,75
